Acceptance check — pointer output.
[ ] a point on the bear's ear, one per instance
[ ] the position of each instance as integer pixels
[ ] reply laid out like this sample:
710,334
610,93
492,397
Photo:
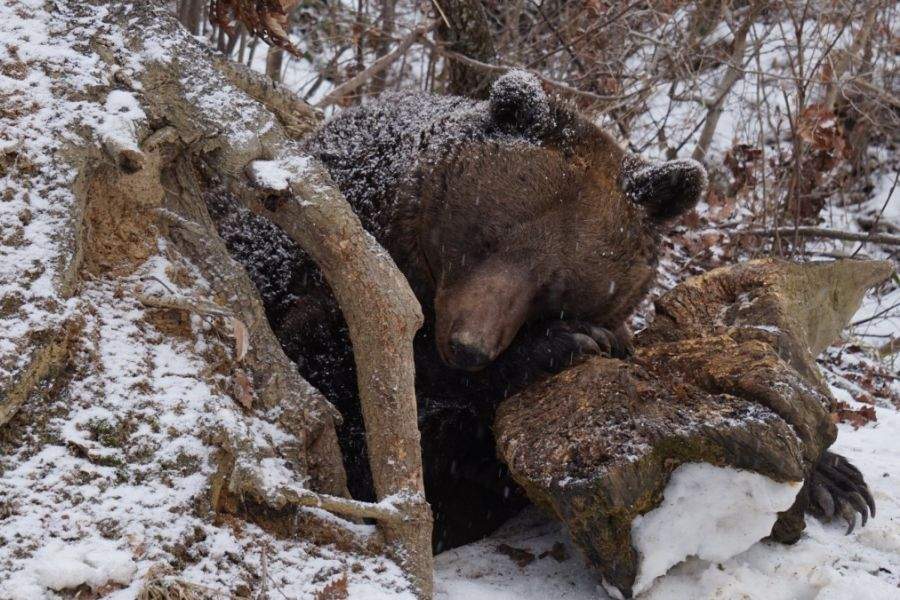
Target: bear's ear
666,190
519,104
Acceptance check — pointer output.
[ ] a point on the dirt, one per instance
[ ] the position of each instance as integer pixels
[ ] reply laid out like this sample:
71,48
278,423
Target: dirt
119,222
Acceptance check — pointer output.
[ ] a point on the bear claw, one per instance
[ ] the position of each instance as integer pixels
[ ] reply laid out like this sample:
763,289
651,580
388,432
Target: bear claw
559,344
837,488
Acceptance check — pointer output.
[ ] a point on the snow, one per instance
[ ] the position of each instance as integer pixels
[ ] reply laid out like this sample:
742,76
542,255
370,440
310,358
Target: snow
146,406
118,127
71,515
710,512
479,571
95,563
276,175
38,118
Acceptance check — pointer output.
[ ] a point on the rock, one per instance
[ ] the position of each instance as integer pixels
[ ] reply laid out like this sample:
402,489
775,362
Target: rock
699,443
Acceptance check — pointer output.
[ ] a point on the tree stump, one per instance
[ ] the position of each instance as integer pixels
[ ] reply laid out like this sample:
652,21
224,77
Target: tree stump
699,444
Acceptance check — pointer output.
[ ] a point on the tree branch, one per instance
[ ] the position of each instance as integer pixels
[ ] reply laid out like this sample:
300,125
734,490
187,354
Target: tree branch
465,29
557,85
876,238
381,311
383,315
335,95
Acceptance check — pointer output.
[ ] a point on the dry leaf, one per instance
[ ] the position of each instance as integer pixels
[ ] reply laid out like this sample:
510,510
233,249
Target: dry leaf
822,130
521,557
557,553
241,338
856,418
243,389
263,18
335,590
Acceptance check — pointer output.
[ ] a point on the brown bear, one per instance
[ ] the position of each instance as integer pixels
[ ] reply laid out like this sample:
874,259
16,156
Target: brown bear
528,235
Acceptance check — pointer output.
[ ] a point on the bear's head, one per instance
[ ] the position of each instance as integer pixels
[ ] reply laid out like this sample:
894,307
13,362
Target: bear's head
543,217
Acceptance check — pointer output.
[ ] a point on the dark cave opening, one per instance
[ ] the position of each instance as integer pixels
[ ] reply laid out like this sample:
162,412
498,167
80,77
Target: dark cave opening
470,490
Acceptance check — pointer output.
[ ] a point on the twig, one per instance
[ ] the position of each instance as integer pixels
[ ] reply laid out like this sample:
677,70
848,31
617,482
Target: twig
889,348
563,87
442,13
881,212
879,238
202,307
882,94
380,511
375,68
876,315
264,566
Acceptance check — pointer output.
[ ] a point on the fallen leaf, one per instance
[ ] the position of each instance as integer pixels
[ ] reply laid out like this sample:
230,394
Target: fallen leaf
521,557
335,590
241,338
243,389
855,417
557,553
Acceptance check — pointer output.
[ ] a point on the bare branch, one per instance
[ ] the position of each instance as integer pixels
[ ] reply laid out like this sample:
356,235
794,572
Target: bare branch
335,95
557,85
876,238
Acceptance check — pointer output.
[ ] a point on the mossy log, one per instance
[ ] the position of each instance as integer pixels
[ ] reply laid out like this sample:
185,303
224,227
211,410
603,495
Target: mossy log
725,375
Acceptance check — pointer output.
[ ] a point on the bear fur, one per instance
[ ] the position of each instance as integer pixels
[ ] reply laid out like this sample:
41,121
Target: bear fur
526,232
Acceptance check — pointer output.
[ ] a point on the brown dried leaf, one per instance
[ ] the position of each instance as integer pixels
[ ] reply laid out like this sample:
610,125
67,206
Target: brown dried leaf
335,590
855,417
243,389
557,553
821,129
691,219
263,18
711,238
241,338
521,557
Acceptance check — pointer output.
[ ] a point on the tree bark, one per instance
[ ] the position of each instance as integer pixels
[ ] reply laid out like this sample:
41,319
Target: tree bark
274,61
388,25
465,30
381,311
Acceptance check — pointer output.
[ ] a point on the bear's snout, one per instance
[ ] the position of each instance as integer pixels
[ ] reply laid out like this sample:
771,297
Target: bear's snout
478,317
464,354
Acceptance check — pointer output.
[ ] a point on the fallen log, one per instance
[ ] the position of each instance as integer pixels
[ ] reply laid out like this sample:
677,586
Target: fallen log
700,443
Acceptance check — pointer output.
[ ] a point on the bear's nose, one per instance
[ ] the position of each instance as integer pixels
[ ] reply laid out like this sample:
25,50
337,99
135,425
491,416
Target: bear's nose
466,355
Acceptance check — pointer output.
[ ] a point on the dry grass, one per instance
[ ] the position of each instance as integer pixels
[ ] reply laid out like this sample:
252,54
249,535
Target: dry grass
169,588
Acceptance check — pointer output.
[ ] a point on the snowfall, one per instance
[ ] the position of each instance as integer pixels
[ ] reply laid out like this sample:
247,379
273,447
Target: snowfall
70,519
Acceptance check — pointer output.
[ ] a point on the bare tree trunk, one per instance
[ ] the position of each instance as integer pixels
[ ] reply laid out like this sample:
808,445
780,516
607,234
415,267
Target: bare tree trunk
842,64
233,39
274,61
465,30
735,71
388,25
194,15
